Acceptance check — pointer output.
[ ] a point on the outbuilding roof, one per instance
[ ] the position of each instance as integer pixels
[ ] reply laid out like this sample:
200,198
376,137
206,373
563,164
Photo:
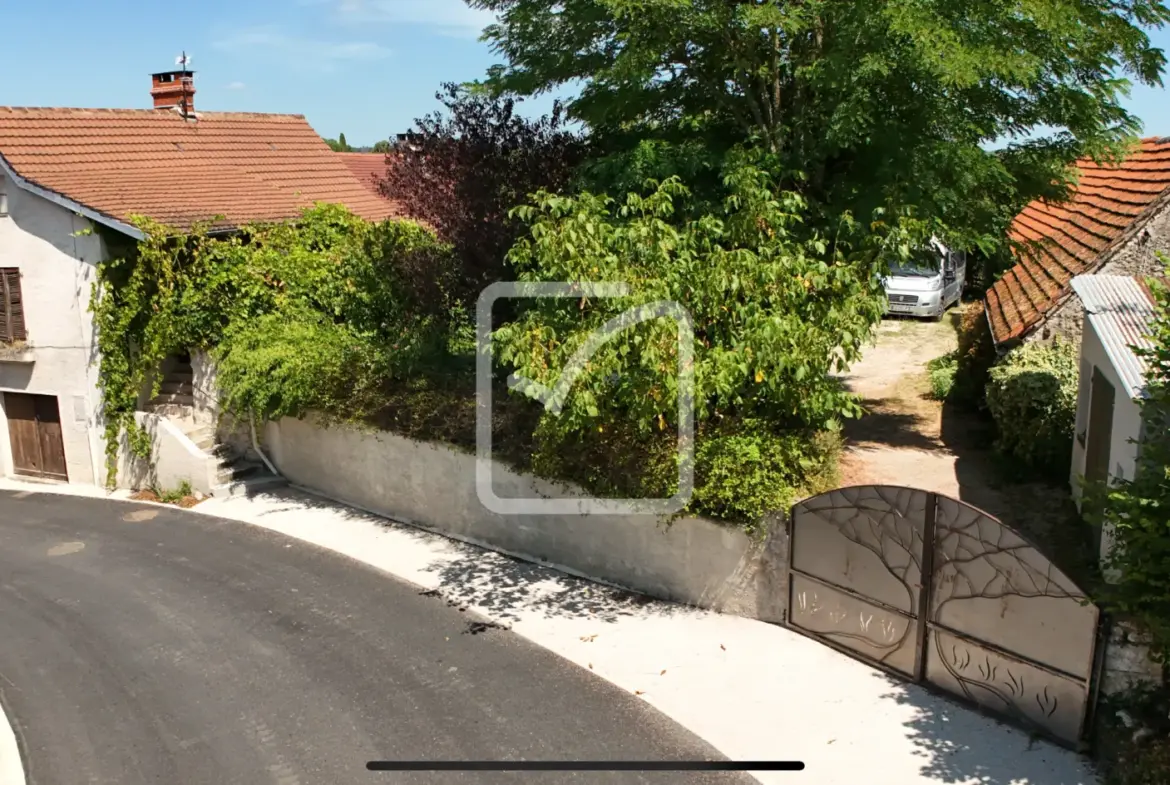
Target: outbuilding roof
1060,241
1121,310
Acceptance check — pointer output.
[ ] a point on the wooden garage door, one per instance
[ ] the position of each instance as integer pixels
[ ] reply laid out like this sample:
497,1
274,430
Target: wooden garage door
34,429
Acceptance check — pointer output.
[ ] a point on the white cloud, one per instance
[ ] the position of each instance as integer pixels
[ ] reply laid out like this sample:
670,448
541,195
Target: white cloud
302,51
236,86
448,17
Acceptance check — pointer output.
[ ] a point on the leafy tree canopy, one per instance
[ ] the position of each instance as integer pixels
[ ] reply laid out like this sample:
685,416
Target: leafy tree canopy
863,104
773,314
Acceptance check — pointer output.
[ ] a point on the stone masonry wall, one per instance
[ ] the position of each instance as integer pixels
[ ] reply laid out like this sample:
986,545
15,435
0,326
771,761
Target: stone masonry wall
1135,256
1127,661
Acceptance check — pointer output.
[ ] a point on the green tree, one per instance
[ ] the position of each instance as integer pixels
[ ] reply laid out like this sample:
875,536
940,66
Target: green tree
862,104
382,146
774,315
339,145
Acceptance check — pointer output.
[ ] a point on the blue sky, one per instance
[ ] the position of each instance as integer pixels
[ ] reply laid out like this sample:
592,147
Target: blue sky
363,67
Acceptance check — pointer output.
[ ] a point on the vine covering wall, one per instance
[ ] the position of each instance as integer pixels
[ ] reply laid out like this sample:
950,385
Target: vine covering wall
364,323
315,314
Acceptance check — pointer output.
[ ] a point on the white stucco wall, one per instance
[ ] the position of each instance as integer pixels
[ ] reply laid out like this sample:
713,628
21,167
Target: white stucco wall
1127,421
692,561
175,459
57,273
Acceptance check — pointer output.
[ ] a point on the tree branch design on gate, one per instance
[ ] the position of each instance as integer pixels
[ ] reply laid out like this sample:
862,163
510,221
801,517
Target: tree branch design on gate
984,613
978,558
887,522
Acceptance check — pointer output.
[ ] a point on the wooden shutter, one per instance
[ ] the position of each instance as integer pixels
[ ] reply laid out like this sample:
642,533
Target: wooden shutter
11,306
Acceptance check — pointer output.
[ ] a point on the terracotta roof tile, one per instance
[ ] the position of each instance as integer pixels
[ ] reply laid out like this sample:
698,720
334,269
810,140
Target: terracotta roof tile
124,162
369,168
1056,242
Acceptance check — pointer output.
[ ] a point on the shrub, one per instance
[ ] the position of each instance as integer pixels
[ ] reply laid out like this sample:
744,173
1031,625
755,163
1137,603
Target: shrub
941,371
276,367
1032,396
974,358
745,470
315,312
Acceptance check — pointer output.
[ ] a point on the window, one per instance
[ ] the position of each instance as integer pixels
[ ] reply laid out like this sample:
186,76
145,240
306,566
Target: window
11,306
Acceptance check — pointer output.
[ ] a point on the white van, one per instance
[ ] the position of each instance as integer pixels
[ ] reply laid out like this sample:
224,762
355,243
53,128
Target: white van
928,283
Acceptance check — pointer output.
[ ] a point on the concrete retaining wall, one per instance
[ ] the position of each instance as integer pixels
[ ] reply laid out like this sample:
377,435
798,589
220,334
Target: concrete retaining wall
691,561
175,459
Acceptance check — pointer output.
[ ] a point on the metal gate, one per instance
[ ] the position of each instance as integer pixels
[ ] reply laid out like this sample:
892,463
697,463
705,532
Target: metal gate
943,594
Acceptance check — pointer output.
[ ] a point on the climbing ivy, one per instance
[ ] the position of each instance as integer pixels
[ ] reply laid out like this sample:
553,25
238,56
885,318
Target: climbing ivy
332,287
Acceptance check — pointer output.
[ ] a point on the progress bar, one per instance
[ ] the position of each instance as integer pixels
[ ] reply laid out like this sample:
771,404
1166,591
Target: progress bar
587,765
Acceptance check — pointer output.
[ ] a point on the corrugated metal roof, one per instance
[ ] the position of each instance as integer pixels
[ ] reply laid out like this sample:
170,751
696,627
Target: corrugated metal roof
1121,312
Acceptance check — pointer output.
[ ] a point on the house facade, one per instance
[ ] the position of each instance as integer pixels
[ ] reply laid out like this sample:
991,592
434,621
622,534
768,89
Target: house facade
65,173
48,393
1115,223
1117,314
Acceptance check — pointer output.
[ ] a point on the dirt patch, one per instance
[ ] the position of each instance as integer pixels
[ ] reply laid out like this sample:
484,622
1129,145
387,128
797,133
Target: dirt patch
186,502
906,438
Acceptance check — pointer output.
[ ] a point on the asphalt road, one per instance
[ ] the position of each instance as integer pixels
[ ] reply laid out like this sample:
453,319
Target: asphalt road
144,645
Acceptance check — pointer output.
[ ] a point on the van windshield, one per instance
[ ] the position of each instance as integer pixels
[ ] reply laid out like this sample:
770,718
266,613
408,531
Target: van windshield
923,263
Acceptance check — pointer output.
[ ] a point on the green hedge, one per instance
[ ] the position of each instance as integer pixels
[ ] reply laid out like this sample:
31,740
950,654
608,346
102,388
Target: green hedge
1032,396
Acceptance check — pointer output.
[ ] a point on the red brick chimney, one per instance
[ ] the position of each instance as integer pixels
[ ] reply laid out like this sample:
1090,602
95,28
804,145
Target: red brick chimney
174,90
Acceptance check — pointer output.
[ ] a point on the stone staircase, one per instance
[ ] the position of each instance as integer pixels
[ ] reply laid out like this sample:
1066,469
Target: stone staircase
237,472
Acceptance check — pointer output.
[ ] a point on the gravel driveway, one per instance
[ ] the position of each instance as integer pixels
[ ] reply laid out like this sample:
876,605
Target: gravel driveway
908,439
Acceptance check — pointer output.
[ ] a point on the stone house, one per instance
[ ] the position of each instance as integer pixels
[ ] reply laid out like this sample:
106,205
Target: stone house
64,172
1115,222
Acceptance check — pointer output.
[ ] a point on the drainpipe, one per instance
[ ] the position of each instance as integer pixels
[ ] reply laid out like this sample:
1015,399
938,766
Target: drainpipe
256,445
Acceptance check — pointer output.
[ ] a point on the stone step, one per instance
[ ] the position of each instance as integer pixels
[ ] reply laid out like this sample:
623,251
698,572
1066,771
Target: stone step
172,387
257,484
168,399
239,469
182,373
174,411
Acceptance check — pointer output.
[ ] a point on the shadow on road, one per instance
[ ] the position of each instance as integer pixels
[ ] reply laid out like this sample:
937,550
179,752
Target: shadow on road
512,589
505,588
884,424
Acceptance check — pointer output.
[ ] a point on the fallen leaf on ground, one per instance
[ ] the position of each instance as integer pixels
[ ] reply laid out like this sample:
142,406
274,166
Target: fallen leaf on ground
588,638
591,666
722,647
663,673
639,692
